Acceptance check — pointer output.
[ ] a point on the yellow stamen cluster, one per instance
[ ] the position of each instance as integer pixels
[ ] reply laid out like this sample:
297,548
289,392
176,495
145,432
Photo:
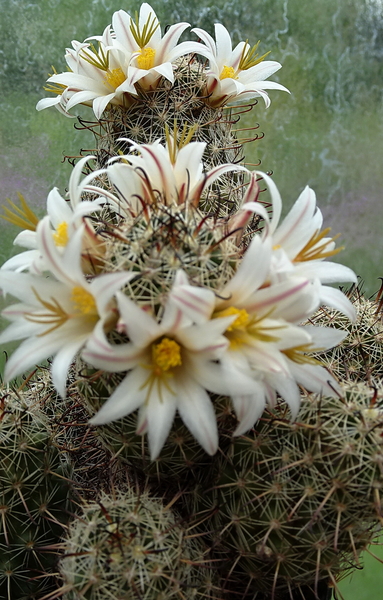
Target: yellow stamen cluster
143,36
60,237
146,58
115,77
178,138
249,57
54,88
240,322
318,248
99,58
22,217
227,73
166,355
236,332
83,301
55,316
246,328
299,355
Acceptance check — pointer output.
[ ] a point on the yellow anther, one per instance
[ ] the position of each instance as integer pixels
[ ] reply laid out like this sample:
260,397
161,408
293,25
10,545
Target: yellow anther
143,34
166,354
240,322
249,57
23,217
318,247
178,138
145,60
227,73
83,301
298,354
115,77
60,237
55,315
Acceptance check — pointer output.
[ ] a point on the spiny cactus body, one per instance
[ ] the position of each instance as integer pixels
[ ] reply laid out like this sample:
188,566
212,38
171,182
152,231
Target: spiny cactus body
360,356
294,504
131,547
34,480
171,238
147,114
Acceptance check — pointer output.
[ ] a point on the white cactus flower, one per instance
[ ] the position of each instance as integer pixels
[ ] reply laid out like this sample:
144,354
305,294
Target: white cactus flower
172,174
152,55
301,247
236,75
56,314
265,341
171,366
65,218
97,77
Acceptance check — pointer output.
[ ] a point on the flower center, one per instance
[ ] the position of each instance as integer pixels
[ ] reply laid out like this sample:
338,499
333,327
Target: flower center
227,73
60,236
115,77
166,355
240,322
236,332
248,329
83,301
145,59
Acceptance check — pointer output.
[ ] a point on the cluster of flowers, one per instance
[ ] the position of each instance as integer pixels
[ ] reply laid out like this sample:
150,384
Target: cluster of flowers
132,54
243,339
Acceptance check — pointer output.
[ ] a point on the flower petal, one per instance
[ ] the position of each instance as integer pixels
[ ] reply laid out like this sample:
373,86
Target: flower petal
168,42
62,361
336,299
249,408
102,355
326,272
197,413
160,417
198,303
251,273
141,327
126,398
105,286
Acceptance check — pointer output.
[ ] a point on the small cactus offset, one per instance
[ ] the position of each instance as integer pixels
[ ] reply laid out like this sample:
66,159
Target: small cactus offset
360,356
35,488
209,425
132,546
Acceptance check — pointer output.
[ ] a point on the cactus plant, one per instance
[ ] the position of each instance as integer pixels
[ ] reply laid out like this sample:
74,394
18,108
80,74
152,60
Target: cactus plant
176,304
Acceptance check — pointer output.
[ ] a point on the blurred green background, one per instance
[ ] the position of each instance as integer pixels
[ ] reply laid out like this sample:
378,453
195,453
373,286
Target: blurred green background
327,133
